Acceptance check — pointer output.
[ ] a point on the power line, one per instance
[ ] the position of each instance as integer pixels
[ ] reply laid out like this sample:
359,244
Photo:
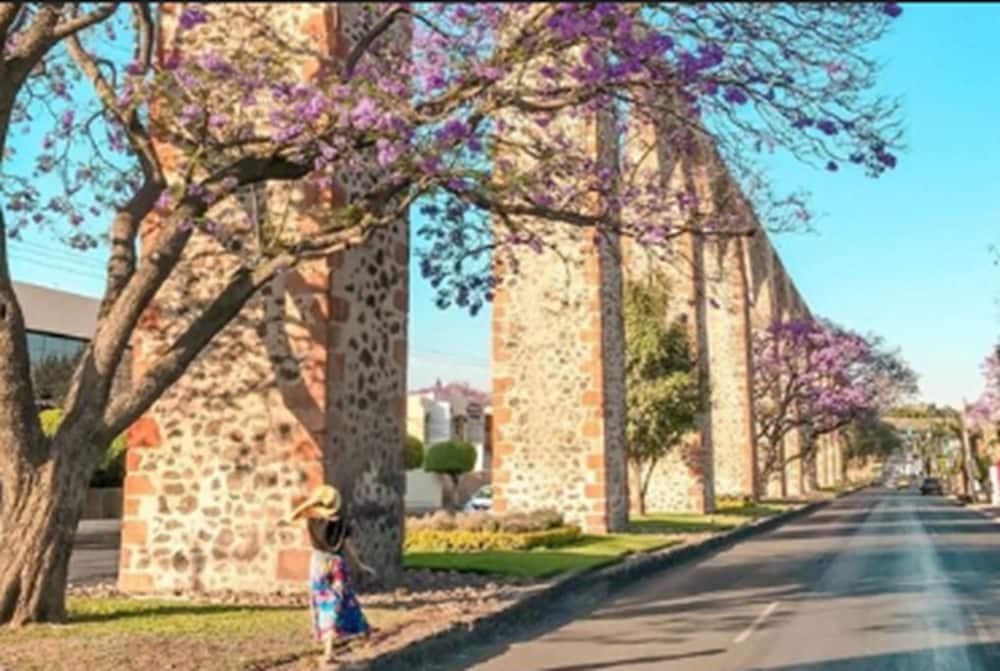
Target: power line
18,255
62,254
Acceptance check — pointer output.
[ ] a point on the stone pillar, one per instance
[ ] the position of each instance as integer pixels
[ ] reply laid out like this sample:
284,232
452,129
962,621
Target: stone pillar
795,468
837,454
307,384
823,463
559,376
682,480
766,296
366,371
727,317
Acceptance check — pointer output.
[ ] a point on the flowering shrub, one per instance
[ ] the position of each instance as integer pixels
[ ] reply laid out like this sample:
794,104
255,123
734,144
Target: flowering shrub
515,522
465,540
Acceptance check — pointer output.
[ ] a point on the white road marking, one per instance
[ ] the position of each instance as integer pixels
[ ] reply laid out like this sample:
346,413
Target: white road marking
745,634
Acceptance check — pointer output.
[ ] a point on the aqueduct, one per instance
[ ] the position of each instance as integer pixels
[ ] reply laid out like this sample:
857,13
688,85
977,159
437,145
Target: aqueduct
309,383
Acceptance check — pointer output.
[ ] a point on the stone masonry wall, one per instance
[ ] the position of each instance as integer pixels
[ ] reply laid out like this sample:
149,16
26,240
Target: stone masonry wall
558,381
366,369
250,428
728,324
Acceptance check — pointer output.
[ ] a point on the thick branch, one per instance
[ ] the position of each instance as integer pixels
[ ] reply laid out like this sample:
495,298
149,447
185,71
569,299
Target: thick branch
8,16
76,24
20,433
362,45
171,364
124,234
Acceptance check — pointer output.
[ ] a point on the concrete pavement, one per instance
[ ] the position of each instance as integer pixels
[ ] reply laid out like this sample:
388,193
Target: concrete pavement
878,581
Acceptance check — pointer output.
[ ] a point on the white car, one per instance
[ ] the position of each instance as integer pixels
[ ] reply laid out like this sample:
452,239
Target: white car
481,500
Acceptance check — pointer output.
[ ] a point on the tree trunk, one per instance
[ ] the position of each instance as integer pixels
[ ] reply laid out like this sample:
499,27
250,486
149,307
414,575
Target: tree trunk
451,501
41,512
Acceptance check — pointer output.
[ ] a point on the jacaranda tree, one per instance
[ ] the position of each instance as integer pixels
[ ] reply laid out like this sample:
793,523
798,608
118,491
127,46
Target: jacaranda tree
816,377
187,116
984,413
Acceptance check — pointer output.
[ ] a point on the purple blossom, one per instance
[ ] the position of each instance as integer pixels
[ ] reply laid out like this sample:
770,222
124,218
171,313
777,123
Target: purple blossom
215,64
454,130
193,15
173,60
735,96
887,159
892,9
163,201
189,115
387,152
364,115
827,126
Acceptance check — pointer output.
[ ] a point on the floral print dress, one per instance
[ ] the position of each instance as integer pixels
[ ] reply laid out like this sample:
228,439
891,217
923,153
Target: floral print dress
334,606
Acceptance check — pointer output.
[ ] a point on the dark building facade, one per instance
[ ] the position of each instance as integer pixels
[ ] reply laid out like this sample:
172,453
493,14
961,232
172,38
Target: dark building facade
58,325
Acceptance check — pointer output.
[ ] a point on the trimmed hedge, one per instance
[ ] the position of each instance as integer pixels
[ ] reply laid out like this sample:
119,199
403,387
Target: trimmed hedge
458,540
413,455
452,457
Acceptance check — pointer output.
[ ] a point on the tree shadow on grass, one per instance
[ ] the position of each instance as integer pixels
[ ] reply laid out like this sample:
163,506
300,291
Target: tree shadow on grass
138,609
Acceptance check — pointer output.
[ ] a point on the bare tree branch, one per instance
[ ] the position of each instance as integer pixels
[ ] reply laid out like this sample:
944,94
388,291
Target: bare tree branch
376,31
76,24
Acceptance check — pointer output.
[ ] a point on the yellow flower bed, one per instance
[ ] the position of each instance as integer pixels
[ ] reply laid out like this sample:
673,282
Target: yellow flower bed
458,540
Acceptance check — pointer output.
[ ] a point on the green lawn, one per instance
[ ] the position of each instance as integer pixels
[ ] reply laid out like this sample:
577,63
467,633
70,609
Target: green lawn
728,515
117,634
590,552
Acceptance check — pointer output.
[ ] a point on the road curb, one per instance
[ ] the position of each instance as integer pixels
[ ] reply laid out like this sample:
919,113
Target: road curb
488,628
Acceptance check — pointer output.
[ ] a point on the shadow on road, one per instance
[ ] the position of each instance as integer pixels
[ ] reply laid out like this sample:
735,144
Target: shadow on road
974,657
649,659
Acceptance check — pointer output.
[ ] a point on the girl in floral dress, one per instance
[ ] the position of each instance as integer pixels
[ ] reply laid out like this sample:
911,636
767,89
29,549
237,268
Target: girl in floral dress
336,613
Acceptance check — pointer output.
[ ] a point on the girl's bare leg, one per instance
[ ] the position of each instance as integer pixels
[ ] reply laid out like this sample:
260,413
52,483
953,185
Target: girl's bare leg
328,641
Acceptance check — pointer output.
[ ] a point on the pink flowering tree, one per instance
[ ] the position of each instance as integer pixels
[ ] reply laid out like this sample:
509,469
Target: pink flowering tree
187,119
815,377
982,416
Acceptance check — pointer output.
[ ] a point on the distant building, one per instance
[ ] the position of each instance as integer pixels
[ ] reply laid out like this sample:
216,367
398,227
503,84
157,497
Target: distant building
453,411
59,325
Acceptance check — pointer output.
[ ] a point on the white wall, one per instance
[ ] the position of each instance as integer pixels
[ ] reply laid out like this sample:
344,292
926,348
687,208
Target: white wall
423,491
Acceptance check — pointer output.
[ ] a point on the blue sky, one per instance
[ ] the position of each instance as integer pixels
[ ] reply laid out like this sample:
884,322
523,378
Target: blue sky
905,255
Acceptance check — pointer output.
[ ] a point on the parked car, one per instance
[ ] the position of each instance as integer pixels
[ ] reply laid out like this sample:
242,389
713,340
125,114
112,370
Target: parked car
931,486
903,483
481,500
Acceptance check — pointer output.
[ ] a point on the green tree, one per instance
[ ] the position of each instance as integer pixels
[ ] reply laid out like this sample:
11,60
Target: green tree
414,453
451,458
871,438
663,395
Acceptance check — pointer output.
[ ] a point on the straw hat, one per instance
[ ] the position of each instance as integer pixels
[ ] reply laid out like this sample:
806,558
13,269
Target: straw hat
324,500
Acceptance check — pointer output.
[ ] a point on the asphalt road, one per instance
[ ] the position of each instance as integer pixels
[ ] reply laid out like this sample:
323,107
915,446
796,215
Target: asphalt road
95,552
879,581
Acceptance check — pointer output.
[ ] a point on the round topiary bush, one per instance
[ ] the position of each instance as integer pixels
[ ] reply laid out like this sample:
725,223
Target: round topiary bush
413,453
451,458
